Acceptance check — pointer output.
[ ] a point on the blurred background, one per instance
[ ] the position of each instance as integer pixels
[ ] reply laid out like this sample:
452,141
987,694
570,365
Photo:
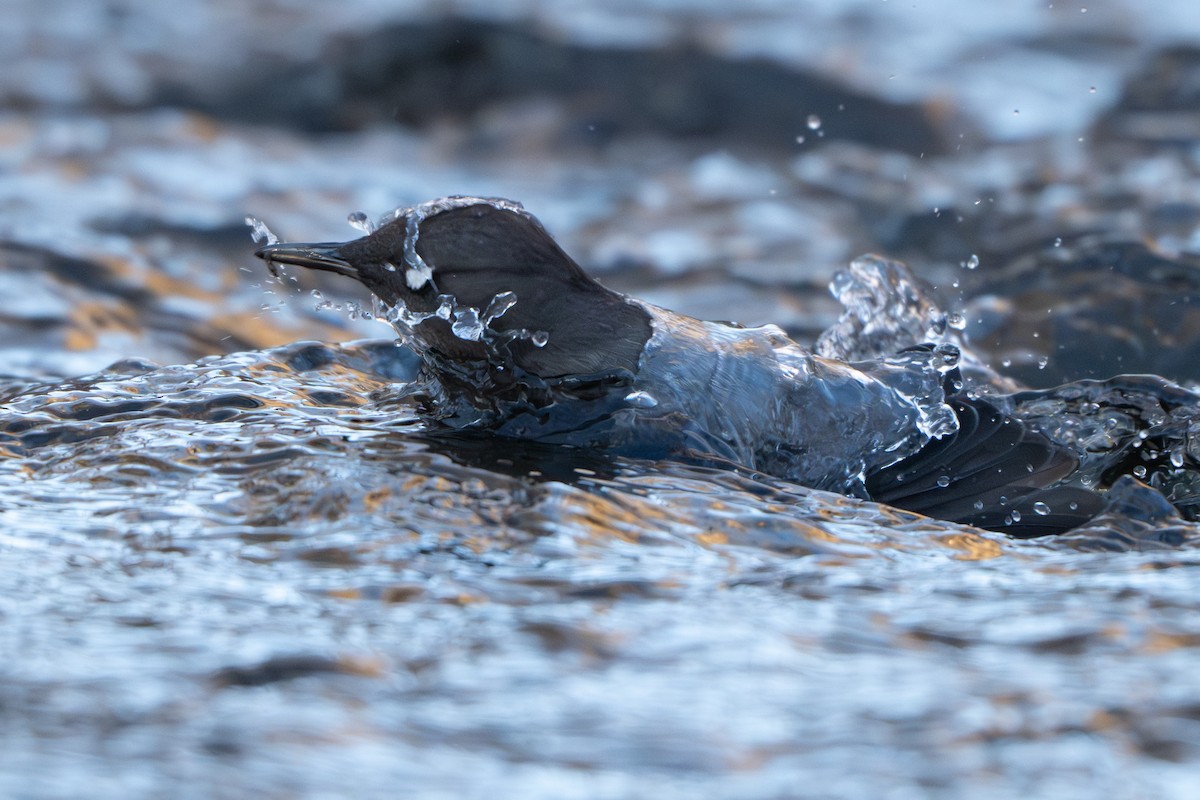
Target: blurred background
1035,161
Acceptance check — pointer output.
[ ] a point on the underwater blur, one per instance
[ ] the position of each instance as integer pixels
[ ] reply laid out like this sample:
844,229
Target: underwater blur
238,559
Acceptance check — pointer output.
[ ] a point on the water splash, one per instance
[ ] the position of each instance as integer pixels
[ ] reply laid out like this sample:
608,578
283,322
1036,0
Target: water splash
1141,425
356,311
360,221
499,305
467,325
641,399
887,309
417,273
466,322
260,233
405,320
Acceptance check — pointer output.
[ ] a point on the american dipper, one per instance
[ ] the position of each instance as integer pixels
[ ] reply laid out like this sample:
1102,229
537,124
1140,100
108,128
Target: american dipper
517,340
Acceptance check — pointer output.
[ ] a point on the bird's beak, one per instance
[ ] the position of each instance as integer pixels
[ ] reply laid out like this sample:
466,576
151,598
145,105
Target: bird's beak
324,256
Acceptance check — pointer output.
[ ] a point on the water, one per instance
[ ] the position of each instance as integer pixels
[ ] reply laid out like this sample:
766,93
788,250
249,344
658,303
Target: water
417,273
237,564
270,574
267,581
357,220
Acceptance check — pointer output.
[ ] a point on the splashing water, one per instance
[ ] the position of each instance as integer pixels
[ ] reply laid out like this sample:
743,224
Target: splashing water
418,273
887,310
467,325
467,322
499,305
260,233
360,221
641,400
471,325
288,514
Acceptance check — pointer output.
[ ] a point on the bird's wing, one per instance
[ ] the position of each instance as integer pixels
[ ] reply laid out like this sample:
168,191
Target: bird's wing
994,472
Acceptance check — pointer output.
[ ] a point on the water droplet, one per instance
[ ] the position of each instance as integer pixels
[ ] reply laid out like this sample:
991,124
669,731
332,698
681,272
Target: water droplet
1139,471
1177,458
641,400
799,140
1042,362
1015,516
466,324
1092,89
389,266
1058,241
1016,111
814,122
539,338
360,220
1041,508
316,293
948,354
260,232
955,319
978,504
1006,362
972,262
1073,506
500,304
943,481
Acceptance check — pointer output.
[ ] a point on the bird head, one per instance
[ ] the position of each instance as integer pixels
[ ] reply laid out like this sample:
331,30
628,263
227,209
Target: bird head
444,267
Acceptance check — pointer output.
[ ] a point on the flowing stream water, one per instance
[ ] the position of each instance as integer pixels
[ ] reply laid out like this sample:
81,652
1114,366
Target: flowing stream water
234,562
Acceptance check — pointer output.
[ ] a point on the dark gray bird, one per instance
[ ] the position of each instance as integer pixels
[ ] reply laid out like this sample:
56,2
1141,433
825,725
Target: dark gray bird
518,340
474,251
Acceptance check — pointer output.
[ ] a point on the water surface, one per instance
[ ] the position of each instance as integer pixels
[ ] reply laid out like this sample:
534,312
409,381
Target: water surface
235,563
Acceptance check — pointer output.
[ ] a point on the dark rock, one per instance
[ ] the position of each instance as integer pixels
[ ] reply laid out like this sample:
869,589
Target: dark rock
423,73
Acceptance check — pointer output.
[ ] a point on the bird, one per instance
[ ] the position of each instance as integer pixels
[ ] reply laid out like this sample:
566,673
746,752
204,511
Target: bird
518,341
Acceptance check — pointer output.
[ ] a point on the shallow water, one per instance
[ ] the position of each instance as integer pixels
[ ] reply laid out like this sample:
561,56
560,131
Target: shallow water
256,574
235,563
